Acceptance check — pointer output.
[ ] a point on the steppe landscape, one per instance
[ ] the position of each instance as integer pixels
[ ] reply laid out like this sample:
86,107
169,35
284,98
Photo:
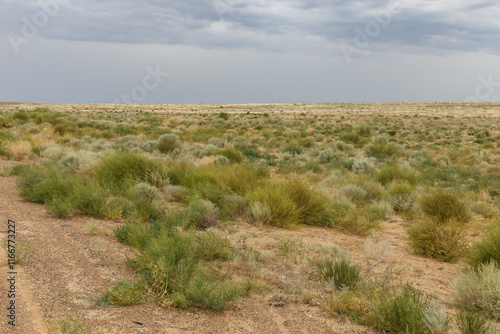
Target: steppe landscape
251,218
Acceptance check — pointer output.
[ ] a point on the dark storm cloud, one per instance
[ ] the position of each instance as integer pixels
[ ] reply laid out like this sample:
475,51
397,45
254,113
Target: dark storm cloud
269,25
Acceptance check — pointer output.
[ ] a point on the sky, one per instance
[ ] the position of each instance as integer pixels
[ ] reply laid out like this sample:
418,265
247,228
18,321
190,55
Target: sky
230,51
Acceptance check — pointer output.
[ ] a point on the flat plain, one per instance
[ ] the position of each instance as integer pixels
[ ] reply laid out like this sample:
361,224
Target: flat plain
253,218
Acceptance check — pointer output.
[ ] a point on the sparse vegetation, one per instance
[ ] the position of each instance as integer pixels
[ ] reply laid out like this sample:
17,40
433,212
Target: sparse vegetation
182,186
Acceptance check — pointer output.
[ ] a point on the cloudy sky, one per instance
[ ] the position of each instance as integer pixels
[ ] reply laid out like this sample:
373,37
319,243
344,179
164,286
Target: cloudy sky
215,51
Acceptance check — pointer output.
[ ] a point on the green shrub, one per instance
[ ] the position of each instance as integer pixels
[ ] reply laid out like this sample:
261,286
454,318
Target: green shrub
212,246
207,288
167,143
470,321
69,326
232,154
121,171
488,249
338,210
172,267
312,206
341,273
293,150
443,242
401,197
359,222
29,177
203,213
380,150
401,312
353,193
61,207
143,190
480,288
392,173
444,206
283,211
124,294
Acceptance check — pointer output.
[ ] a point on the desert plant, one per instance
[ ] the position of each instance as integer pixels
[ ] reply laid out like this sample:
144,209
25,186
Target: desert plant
443,242
124,293
471,321
145,191
444,206
207,288
480,288
401,197
312,205
292,248
400,312
283,211
392,173
167,143
67,325
488,249
353,193
341,273
203,213
121,171
259,213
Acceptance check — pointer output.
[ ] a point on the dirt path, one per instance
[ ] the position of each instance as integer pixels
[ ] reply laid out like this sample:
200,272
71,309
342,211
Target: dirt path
68,269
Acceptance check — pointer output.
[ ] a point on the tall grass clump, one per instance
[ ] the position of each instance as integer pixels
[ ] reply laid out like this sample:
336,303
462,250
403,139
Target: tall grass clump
392,173
121,171
401,197
401,312
480,288
443,242
443,206
167,143
341,273
174,269
488,249
312,205
283,210
472,321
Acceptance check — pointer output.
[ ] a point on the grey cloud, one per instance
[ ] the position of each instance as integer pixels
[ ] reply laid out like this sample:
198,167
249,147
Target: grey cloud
449,25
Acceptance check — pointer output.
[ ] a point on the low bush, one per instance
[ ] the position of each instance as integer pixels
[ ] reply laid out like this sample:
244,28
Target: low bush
121,171
392,173
353,193
480,288
232,154
443,242
210,289
312,206
444,206
341,273
401,197
173,268
283,210
488,249
259,213
167,143
124,294
400,312
471,321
